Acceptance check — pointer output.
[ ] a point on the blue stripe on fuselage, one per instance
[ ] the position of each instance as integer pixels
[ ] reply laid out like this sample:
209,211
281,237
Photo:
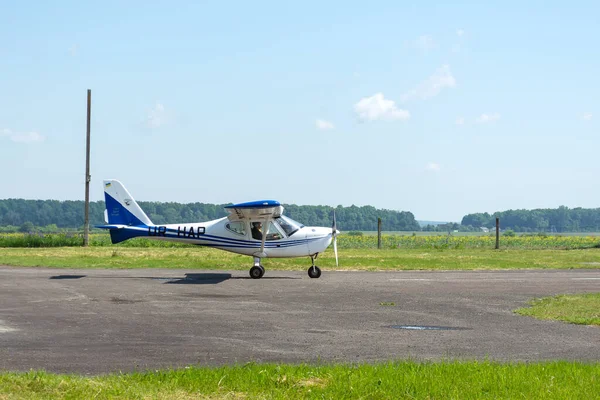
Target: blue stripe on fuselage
120,235
179,234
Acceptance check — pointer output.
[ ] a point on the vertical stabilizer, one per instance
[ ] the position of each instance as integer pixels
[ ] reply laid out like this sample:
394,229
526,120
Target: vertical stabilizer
121,208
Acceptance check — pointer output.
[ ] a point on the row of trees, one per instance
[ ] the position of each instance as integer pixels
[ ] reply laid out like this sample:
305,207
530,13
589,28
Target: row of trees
19,214
562,219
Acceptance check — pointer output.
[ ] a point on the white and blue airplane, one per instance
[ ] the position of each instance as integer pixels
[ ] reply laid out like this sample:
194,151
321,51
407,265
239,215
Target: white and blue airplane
256,229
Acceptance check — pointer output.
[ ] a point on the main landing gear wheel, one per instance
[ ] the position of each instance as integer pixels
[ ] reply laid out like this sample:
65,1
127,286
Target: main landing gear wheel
314,271
257,272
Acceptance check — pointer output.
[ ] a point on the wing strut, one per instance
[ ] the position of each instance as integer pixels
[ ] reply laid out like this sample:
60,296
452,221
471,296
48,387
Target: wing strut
264,235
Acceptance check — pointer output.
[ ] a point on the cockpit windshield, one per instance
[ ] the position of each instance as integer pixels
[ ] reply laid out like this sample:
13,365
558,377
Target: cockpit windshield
288,225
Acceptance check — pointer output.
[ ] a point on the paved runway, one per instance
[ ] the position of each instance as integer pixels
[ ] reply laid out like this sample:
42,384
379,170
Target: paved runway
96,321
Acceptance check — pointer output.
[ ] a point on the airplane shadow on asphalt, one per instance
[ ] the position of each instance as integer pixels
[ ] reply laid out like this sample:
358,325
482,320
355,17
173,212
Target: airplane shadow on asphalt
197,278
67,276
200,279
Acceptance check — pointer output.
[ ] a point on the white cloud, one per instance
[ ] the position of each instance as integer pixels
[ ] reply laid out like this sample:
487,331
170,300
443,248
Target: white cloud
460,121
22,137
587,116
460,32
485,118
442,78
156,116
435,167
29,137
423,43
324,125
377,107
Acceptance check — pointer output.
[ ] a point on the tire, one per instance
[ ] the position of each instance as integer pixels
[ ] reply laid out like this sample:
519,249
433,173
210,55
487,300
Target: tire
314,272
257,272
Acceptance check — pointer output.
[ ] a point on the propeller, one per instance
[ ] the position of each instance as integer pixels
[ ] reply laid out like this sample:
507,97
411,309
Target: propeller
334,233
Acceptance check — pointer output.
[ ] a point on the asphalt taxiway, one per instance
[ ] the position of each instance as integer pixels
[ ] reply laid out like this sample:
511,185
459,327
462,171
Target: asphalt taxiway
98,321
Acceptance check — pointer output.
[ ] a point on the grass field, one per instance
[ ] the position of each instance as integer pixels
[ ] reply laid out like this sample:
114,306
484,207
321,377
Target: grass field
350,259
576,309
394,380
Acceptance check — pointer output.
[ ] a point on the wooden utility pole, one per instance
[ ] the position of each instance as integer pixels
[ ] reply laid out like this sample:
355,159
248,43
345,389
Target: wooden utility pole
497,233
88,178
378,233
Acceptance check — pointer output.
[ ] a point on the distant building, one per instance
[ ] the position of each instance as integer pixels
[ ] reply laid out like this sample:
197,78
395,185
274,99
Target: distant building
484,229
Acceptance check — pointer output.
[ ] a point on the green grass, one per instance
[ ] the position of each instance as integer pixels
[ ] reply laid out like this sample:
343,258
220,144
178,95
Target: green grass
350,259
394,380
583,309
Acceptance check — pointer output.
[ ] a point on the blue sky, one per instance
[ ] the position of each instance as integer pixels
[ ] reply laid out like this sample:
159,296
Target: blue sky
434,108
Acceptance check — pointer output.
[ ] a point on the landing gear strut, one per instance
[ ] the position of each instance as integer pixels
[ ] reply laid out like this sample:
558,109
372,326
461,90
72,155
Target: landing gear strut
314,271
257,271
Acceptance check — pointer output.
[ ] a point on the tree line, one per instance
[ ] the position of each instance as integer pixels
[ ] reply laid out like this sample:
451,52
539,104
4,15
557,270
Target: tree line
24,215
561,219
53,215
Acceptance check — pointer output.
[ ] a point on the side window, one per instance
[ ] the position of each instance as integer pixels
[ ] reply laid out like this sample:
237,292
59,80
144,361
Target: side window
238,227
256,230
272,232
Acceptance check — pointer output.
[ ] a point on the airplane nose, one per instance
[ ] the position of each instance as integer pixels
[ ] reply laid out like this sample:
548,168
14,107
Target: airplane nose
318,231
319,238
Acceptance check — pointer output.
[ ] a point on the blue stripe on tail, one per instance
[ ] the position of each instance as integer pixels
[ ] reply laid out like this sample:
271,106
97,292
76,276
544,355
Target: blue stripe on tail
117,214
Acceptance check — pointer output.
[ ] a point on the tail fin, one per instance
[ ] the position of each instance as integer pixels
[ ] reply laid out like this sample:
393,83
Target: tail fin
121,208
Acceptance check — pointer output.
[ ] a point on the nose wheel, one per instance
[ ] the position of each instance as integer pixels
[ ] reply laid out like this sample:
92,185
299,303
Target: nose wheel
314,271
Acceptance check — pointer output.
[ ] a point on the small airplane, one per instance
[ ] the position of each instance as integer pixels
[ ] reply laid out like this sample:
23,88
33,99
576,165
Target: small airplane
256,229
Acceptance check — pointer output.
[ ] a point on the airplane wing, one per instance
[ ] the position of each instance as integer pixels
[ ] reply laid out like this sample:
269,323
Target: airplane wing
261,210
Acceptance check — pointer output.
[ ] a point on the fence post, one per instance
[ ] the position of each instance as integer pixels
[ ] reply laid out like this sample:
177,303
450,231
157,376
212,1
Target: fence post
497,233
379,233
86,222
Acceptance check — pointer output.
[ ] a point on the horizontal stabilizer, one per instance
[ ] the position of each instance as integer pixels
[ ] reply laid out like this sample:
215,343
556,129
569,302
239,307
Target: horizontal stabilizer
110,226
120,235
